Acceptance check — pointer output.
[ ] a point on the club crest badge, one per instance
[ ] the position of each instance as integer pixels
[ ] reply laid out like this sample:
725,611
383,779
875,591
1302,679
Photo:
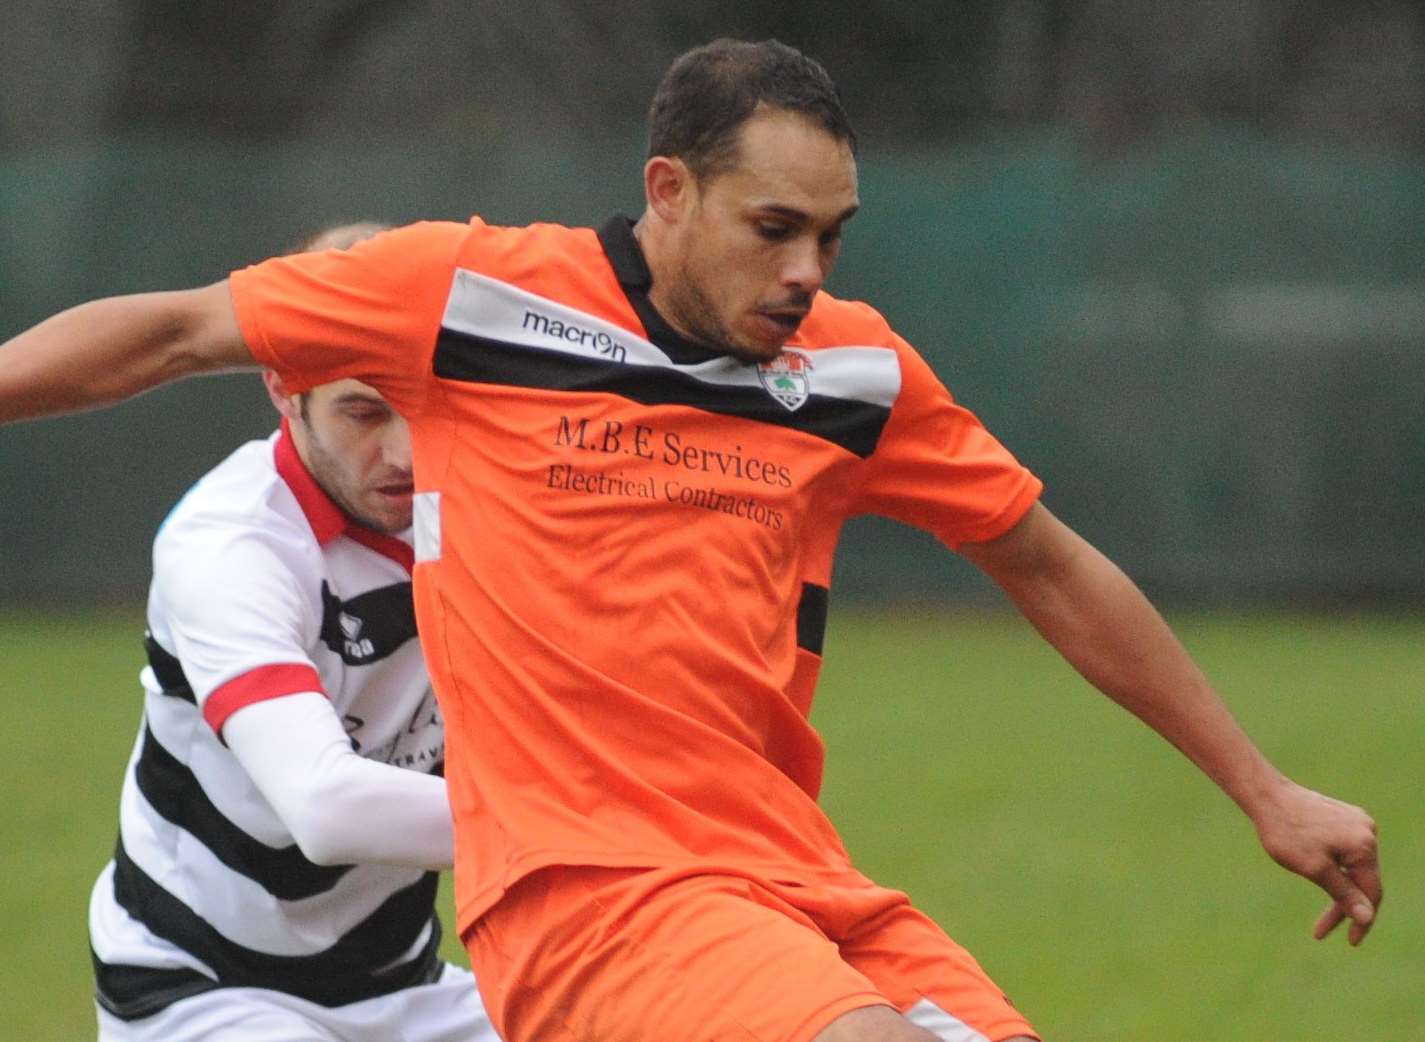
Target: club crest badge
787,378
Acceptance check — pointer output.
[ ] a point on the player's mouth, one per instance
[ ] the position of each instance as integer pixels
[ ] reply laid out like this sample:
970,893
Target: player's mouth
397,490
783,321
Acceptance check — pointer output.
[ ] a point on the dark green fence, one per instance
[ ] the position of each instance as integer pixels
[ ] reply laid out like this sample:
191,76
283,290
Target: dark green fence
1209,348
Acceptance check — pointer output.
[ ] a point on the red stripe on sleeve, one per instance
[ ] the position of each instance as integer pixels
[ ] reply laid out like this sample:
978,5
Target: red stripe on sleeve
258,685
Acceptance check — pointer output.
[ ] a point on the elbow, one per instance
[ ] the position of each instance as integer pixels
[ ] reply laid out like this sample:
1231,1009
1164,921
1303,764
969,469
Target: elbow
322,830
323,852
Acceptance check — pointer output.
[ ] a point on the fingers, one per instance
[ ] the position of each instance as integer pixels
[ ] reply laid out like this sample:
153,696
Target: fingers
1365,873
1357,933
1333,844
1349,886
1328,921
1366,877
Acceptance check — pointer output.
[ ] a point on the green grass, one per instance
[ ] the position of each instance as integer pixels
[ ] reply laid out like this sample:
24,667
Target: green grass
1108,887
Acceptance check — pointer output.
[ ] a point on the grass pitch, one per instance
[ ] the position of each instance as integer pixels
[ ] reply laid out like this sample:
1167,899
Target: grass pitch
1108,887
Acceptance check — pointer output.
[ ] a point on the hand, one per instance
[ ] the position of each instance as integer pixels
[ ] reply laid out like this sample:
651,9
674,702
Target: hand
1334,845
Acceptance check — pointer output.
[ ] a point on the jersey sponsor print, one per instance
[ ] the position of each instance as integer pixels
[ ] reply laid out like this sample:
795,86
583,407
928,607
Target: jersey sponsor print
628,538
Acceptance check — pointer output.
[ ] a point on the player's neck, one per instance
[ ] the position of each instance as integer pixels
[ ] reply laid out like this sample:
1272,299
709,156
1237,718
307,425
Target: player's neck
652,235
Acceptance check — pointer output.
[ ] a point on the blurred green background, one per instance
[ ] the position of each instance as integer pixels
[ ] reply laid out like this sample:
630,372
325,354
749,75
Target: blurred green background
1170,253
1106,885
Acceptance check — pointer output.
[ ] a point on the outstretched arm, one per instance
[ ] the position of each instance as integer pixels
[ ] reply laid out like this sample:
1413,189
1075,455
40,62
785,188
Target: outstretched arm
1103,625
340,808
107,350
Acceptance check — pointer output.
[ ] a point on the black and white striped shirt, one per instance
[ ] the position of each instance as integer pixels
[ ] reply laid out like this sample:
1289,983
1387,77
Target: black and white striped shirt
262,589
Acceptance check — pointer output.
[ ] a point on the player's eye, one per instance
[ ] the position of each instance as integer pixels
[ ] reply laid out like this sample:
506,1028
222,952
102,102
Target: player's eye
773,232
367,416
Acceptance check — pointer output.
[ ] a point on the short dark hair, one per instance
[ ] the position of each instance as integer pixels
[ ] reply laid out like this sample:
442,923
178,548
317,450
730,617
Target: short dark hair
709,92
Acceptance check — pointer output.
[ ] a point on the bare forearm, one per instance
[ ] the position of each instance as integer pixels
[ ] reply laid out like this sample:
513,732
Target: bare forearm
1102,624
108,350
1100,621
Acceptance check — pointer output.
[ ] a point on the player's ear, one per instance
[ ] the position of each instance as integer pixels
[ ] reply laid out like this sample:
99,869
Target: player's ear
287,404
668,185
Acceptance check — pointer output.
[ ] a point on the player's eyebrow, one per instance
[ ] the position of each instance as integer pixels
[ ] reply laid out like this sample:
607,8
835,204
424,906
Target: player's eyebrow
791,213
358,398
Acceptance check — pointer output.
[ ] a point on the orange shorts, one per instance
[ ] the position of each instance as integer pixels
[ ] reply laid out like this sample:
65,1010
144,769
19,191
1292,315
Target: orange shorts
587,954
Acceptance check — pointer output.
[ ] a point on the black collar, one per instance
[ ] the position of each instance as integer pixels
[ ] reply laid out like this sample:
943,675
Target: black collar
631,267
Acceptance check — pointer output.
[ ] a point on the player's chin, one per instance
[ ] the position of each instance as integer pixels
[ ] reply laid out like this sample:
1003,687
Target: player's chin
389,513
398,521
764,342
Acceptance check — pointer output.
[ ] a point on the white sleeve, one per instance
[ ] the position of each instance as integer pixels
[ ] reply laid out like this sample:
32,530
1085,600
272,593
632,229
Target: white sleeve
238,603
341,808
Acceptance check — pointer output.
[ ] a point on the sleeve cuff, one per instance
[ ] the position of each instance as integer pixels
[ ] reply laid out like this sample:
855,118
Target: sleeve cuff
258,685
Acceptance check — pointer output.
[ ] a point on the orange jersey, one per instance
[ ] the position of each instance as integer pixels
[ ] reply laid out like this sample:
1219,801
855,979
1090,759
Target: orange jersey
624,540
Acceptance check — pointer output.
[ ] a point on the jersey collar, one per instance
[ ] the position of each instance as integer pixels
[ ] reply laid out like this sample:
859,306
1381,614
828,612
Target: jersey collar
326,518
631,268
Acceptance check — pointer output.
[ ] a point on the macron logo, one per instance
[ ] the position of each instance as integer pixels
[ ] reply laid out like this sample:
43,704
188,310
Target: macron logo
596,341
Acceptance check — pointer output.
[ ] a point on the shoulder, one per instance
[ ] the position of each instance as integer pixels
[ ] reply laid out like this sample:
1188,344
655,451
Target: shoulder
409,251
526,248
400,256
833,322
439,239
241,504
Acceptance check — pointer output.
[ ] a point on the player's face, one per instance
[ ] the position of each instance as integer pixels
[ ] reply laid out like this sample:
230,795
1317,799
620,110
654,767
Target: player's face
760,239
359,451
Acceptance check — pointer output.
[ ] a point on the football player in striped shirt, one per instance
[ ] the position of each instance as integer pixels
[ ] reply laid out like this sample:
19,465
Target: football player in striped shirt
284,816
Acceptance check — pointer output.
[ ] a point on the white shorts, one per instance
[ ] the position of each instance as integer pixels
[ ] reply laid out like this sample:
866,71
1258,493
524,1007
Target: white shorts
449,1010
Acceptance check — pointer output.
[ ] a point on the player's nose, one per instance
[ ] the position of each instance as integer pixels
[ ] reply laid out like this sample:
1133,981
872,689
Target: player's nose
802,267
396,446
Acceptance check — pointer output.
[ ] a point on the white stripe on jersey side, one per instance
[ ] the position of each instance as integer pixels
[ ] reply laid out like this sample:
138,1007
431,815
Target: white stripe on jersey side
481,306
928,1015
425,515
236,906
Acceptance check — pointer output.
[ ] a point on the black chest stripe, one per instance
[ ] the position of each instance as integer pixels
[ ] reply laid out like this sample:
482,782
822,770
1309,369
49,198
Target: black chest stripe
855,426
168,671
370,626
173,790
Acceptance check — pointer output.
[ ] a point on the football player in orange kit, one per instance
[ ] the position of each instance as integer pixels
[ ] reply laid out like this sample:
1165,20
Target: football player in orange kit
634,450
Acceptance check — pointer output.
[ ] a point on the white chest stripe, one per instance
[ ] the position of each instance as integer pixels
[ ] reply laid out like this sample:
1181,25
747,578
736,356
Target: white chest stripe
486,307
425,509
